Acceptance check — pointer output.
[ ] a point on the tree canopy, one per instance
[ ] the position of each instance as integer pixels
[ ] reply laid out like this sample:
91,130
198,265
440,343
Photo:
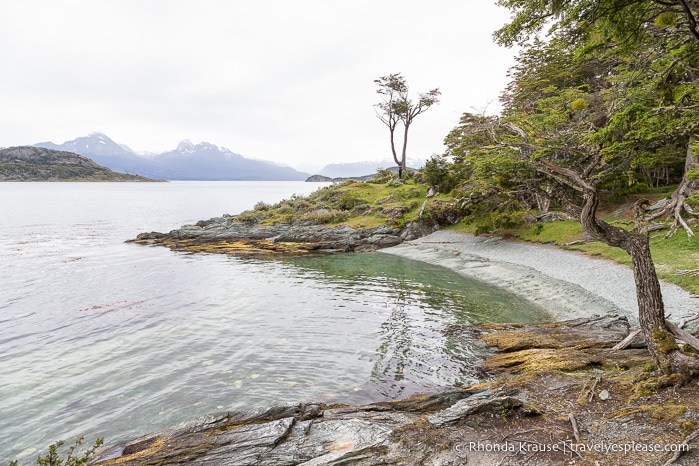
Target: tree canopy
397,108
607,101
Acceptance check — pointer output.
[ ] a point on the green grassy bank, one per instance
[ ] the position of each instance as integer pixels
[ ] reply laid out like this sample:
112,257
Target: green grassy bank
385,200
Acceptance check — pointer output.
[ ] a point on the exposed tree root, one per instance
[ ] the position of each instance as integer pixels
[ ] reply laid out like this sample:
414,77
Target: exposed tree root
685,444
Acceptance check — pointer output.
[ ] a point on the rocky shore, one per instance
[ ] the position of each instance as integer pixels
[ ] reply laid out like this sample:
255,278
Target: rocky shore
228,235
553,394
562,396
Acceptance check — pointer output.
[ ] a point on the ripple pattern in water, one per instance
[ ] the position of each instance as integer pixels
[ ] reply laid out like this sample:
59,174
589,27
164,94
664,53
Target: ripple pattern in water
108,339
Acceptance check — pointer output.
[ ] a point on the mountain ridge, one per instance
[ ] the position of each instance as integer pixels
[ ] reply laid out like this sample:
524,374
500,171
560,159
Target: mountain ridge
188,161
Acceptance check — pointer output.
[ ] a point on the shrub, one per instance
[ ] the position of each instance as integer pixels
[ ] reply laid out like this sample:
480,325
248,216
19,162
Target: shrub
437,172
262,206
325,216
54,459
348,201
250,217
383,176
578,104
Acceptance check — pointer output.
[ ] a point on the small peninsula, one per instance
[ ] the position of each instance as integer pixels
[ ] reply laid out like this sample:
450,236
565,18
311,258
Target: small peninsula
38,164
350,216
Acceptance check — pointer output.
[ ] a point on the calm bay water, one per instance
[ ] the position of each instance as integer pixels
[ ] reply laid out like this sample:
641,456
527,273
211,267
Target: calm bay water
103,338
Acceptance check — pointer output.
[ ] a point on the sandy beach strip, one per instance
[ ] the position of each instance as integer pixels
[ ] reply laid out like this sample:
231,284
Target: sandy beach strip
565,283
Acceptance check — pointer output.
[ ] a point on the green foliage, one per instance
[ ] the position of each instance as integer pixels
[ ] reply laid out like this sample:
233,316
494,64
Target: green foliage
53,457
250,217
693,174
578,104
437,172
383,176
498,221
355,203
324,216
348,201
262,206
665,19
397,108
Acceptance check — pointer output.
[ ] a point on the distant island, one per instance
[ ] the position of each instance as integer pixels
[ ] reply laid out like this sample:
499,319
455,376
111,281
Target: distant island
39,164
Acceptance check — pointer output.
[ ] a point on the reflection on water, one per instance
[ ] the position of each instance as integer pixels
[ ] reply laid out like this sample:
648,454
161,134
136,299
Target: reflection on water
420,302
103,338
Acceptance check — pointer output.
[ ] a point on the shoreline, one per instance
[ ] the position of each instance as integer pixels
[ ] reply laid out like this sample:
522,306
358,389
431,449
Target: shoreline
565,283
436,428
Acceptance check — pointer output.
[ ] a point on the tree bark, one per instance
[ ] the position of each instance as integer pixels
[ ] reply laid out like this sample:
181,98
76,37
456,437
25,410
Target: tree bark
392,130
651,310
401,165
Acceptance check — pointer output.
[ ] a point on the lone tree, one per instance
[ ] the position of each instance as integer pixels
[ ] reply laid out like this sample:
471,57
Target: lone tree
397,107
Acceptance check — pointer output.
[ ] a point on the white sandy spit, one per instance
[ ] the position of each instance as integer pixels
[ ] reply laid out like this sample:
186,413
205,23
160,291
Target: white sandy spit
566,283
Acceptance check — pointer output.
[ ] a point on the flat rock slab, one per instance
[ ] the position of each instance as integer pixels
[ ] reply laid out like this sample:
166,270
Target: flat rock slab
307,434
568,345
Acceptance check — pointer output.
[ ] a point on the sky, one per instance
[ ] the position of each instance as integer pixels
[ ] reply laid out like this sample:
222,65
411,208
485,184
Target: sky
290,81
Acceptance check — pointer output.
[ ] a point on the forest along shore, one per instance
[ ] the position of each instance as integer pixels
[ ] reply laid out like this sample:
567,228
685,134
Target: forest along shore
567,284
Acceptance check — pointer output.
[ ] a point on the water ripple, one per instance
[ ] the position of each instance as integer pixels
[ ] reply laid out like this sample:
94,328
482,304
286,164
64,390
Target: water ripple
108,339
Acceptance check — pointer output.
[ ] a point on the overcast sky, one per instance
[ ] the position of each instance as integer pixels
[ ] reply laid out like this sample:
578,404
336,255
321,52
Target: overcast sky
283,80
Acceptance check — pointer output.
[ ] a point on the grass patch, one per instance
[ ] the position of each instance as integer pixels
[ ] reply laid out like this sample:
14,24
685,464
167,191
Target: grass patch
359,204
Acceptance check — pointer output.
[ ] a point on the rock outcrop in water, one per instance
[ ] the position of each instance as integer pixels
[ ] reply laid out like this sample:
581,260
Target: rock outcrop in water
228,235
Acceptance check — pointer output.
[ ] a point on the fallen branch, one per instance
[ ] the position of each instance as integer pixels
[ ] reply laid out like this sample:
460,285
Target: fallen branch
687,320
683,335
687,272
592,390
626,341
574,423
683,447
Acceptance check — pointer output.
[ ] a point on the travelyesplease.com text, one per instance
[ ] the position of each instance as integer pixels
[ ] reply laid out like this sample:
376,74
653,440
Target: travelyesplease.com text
526,447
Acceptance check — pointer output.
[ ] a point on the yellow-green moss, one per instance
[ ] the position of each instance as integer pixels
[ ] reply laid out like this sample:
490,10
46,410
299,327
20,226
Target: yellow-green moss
665,341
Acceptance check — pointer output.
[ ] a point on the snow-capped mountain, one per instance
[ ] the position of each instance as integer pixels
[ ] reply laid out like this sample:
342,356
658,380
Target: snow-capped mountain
96,144
189,161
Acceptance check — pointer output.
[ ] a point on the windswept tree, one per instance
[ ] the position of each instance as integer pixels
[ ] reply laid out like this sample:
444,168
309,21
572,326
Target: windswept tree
584,109
396,108
663,38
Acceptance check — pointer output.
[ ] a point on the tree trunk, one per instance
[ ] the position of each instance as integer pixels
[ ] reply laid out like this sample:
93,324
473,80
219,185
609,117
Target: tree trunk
651,310
392,130
401,165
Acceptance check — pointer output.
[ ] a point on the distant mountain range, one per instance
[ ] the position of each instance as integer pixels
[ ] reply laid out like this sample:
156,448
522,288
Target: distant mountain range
188,161
203,161
361,169
40,164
